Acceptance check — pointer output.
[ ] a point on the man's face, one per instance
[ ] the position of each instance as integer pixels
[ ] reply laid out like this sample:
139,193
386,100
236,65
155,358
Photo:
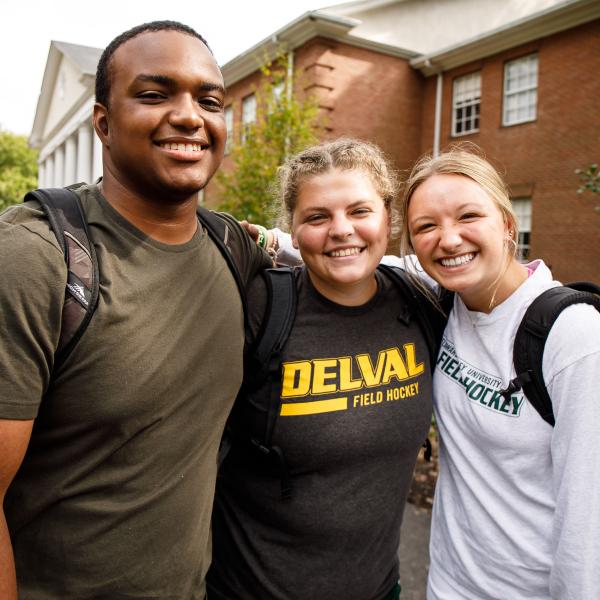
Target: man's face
164,126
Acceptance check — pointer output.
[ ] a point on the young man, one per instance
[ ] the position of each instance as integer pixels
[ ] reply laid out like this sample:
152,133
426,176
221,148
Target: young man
109,480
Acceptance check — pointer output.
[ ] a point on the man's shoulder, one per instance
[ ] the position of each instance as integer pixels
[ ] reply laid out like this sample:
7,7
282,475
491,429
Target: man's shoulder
25,228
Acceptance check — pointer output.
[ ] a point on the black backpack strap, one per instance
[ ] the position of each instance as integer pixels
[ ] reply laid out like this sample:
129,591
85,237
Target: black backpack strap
255,413
431,321
273,336
219,233
531,336
65,214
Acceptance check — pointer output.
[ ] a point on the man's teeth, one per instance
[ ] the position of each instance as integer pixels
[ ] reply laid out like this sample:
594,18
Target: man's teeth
181,147
345,252
457,261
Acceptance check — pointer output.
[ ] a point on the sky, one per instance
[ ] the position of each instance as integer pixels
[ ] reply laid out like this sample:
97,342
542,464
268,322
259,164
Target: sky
28,26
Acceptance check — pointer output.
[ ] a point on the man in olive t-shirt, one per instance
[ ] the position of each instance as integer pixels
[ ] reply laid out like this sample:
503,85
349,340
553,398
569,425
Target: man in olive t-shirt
108,482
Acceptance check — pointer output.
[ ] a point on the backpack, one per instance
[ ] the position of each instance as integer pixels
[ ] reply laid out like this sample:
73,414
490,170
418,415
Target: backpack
531,336
254,416
67,220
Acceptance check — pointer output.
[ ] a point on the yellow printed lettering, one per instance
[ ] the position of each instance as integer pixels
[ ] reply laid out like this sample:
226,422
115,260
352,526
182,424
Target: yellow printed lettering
346,381
321,375
296,379
394,366
372,377
411,361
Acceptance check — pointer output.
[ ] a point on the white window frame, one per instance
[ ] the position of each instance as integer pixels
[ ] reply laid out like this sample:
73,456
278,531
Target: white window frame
520,90
522,210
248,113
466,102
228,116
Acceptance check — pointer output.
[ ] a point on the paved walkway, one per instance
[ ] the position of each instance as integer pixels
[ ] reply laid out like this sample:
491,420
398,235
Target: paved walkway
414,553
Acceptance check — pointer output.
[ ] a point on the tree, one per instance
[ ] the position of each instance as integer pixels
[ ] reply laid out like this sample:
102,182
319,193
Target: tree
285,125
18,168
590,180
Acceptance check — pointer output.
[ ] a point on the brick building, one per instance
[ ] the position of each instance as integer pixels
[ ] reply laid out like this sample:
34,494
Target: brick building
519,78
519,85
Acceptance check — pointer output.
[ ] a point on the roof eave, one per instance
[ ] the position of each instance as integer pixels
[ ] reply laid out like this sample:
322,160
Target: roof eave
289,37
43,103
306,27
565,16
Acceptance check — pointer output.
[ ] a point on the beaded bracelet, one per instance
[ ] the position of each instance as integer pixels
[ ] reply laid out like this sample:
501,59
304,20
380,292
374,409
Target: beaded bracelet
261,240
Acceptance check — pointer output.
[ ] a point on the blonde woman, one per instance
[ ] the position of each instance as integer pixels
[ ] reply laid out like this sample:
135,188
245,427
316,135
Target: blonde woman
517,504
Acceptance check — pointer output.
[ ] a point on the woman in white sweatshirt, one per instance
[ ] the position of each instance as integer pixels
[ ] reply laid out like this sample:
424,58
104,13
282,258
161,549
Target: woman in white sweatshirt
517,504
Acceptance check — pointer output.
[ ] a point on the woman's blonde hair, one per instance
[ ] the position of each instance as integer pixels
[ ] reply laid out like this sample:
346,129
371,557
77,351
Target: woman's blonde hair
468,161
346,154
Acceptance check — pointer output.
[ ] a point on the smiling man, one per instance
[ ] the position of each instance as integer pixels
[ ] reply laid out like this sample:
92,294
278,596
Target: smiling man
108,459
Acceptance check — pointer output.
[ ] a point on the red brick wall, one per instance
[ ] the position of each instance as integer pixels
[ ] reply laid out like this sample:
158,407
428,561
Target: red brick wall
542,155
362,93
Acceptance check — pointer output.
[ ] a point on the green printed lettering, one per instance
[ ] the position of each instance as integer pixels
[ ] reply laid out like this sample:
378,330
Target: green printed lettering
505,408
468,383
443,358
449,367
516,404
485,393
495,401
476,391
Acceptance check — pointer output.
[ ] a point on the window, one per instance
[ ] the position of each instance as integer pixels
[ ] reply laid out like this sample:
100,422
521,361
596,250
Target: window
229,126
522,208
466,99
520,90
248,114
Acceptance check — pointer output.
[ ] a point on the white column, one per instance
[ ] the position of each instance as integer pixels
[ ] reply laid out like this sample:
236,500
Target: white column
49,179
70,161
41,174
84,153
59,166
96,158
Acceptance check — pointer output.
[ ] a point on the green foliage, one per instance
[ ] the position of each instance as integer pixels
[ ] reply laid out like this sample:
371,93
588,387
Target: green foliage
18,168
590,180
285,125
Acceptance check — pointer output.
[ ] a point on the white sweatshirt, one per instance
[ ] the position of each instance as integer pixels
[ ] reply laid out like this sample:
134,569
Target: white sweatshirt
517,504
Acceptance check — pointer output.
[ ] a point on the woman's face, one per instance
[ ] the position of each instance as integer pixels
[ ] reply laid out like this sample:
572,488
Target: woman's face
460,237
341,227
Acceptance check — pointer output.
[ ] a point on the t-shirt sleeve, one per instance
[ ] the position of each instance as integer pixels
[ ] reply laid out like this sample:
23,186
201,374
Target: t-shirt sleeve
31,300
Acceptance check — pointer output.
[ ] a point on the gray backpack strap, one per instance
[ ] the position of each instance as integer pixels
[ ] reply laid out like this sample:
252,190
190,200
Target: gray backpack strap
65,214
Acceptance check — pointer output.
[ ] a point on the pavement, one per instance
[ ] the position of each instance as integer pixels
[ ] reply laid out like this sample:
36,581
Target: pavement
414,552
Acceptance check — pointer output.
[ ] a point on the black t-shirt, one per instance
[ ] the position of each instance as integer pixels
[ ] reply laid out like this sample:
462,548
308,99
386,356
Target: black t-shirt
355,408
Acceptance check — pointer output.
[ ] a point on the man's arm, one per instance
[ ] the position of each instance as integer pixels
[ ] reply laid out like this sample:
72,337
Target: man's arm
14,438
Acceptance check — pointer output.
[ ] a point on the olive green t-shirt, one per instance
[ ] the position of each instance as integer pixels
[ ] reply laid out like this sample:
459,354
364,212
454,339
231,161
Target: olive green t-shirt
114,497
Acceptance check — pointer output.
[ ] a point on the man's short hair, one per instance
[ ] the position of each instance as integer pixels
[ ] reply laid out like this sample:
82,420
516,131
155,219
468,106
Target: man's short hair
103,71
